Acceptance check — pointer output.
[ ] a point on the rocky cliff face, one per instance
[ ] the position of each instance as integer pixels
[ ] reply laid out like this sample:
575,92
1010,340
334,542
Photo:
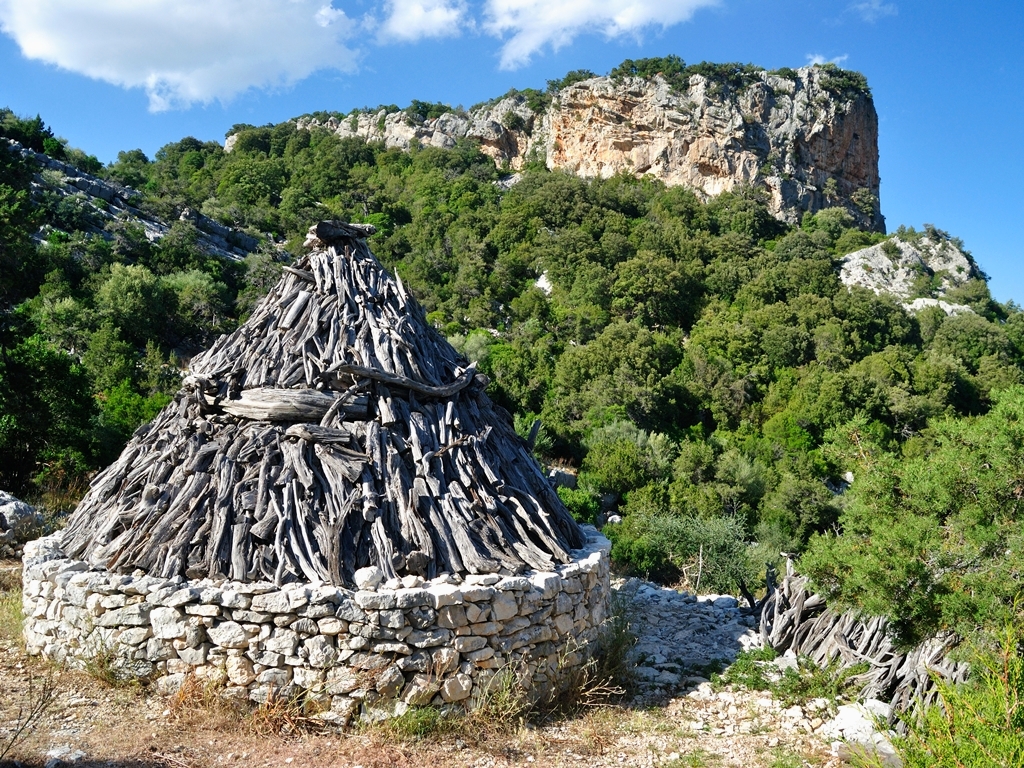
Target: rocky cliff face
807,144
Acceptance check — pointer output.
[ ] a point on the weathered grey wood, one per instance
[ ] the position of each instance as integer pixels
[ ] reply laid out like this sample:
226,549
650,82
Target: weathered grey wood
335,429
794,619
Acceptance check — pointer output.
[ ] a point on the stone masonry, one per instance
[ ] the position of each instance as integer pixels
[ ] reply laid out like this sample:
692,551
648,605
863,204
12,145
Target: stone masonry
370,653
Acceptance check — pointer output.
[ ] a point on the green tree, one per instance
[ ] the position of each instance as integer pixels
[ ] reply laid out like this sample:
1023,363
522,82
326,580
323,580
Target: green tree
46,410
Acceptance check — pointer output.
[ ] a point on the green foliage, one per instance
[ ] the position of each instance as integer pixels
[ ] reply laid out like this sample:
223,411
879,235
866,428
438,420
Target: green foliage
842,82
671,545
581,503
752,670
31,133
20,269
934,540
699,362
425,110
575,76
513,121
674,70
979,723
45,409
749,669
670,67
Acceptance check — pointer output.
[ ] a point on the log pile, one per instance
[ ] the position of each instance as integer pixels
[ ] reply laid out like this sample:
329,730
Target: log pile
334,430
793,618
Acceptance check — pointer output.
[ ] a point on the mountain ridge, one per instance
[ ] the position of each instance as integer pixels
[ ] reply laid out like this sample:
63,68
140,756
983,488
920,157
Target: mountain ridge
805,136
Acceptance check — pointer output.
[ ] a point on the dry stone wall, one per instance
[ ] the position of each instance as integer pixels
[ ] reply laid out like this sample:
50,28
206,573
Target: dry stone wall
370,653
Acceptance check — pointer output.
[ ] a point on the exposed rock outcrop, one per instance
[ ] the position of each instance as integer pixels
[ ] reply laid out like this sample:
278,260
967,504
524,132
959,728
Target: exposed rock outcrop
99,201
906,269
808,146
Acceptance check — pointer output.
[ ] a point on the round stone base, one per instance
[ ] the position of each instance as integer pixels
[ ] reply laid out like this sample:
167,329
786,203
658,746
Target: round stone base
371,653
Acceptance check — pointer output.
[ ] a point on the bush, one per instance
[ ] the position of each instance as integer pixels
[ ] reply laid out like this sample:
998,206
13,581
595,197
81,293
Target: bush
934,540
702,553
582,504
576,76
979,723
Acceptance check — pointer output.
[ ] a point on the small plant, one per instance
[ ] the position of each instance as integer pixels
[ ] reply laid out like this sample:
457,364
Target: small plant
282,715
890,249
41,694
783,759
10,606
581,503
419,723
503,701
513,121
608,675
809,681
749,669
103,664
699,758
200,698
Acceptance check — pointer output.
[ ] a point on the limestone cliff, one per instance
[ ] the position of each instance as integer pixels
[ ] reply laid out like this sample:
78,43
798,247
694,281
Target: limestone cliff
809,144
919,269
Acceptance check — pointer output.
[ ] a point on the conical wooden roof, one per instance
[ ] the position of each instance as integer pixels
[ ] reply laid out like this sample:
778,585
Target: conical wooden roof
335,429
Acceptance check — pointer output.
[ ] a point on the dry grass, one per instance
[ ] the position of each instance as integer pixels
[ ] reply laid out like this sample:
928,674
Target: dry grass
11,616
285,716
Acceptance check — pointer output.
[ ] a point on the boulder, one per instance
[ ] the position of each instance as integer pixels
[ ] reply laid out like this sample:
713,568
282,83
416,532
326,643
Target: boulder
19,521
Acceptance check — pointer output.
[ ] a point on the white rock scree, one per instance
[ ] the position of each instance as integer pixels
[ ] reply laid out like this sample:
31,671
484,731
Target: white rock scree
370,653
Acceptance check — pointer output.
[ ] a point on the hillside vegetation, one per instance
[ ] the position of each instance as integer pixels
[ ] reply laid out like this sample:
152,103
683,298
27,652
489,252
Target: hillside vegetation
699,363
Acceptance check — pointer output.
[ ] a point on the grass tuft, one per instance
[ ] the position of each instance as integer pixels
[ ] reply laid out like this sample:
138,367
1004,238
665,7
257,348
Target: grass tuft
11,616
284,716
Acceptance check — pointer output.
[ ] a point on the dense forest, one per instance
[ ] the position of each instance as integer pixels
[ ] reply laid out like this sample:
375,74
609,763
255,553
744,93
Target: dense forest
699,364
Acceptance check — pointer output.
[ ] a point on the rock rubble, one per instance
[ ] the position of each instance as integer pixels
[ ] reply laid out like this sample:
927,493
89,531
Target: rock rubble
681,635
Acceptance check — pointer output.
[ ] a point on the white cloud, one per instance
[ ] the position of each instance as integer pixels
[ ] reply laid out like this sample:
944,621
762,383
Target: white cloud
873,10
817,58
183,51
410,20
535,24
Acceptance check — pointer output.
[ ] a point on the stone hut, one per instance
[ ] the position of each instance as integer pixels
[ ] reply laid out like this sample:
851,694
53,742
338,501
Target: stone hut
330,507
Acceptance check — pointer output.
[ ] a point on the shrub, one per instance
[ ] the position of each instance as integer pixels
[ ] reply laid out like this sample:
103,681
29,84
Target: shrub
576,76
979,723
843,82
581,503
708,553
513,121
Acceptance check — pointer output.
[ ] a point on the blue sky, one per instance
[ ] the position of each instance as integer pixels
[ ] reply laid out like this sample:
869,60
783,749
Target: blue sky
946,76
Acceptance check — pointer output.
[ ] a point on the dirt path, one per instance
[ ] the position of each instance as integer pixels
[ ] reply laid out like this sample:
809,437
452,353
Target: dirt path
91,724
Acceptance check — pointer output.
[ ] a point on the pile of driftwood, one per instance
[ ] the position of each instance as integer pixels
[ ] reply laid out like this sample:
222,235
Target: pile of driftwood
334,430
794,619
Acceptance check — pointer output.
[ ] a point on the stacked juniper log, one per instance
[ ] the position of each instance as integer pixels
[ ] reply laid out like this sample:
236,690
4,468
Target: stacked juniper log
334,430
795,619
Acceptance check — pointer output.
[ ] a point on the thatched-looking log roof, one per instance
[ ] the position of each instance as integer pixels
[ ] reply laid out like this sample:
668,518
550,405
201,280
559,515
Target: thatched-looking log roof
334,430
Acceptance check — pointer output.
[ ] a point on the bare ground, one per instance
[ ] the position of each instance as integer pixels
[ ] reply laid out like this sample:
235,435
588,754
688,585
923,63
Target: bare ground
89,723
